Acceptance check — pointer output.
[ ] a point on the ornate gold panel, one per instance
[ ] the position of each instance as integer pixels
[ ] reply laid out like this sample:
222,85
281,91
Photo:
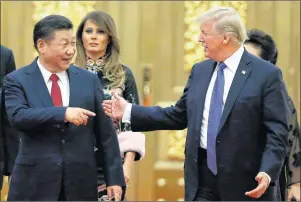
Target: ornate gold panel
74,10
176,144
193,51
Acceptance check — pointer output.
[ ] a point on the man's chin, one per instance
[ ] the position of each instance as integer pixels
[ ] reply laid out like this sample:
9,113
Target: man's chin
64,67
206,55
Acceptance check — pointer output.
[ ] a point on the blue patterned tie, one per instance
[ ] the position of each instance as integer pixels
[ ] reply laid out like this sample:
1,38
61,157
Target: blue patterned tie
215,114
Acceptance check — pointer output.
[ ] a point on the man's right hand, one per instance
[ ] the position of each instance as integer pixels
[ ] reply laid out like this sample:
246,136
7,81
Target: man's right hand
115,108
78,116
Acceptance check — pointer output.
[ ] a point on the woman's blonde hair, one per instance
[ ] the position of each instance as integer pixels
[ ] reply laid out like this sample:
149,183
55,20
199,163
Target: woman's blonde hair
113,70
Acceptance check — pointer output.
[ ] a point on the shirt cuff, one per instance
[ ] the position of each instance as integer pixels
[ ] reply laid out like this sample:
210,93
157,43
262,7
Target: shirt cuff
267,177
126,118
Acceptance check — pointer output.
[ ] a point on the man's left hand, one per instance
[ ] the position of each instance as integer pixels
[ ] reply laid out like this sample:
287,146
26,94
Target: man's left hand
263,184
294,192
114,192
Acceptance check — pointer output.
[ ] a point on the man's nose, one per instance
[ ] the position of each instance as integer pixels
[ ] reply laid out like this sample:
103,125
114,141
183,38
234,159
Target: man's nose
71,51
200,38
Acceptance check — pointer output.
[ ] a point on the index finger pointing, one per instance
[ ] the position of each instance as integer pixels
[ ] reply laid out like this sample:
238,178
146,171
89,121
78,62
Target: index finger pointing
88,113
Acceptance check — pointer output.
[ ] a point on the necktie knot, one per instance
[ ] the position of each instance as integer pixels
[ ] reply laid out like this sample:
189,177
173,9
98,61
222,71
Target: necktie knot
222,66
54,78
56,91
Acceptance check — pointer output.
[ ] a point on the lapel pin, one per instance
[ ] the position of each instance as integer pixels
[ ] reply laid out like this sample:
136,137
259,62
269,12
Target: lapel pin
243,72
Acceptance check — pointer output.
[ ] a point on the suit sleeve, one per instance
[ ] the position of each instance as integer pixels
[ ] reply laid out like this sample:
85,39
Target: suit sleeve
10,136
106,138
158,118
11,65
275,119
294,157
21,116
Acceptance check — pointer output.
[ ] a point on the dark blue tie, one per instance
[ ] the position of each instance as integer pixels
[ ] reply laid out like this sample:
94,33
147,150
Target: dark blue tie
215,114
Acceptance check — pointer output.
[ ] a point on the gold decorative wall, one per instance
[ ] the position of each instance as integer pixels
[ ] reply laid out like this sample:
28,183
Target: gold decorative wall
193,53
176,144
74,10
192,49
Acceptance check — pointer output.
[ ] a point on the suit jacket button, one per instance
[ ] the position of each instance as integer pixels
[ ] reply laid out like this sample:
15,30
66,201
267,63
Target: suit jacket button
63,141
196,160
59,164
56,126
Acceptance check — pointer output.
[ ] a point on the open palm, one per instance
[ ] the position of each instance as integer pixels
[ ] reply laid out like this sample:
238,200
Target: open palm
115,108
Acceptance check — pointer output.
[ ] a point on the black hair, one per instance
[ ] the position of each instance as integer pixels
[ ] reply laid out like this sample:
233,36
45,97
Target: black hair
45,28
266,44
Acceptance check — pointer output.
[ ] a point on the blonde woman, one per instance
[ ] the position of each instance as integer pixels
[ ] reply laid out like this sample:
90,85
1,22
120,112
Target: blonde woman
98,51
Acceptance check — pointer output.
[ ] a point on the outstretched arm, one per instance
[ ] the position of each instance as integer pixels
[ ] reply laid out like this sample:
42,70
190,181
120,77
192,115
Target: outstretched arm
150,118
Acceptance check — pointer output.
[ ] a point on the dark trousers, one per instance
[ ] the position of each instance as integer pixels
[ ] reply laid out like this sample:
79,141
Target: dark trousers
207,189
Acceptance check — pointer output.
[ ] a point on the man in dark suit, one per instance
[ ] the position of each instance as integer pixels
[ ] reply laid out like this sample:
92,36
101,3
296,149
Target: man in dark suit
9,138
57,107
234,106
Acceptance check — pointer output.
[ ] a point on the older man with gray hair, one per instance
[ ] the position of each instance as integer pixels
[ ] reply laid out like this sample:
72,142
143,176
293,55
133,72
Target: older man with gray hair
235,108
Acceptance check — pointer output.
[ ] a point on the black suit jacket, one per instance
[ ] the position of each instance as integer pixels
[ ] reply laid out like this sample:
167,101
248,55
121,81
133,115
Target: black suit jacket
9,140
51,149
252,134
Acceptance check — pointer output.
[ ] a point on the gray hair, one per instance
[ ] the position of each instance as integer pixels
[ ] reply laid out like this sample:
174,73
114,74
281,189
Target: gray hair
227,20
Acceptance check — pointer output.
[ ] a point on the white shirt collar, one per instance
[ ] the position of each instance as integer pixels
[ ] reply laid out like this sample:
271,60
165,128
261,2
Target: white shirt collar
233,61
46,74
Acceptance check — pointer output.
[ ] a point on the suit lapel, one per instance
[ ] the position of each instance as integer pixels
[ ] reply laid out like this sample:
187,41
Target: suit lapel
238,82
201,90
38,84
75,85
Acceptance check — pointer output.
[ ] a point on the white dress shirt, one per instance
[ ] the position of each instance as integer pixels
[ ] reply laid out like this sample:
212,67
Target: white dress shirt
63,83
232,64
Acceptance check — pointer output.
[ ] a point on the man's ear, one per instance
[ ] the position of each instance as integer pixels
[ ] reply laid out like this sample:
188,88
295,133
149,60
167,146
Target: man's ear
227,38
41,46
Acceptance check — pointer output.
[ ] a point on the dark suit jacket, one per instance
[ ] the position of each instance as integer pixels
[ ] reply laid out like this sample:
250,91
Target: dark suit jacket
253,130
52,150
9,138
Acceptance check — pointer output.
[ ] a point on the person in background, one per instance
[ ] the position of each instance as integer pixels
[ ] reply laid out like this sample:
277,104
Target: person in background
262,45
9,137
98,51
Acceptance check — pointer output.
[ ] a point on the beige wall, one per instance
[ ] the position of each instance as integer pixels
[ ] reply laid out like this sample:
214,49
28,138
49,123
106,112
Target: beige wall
151,32
17,28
